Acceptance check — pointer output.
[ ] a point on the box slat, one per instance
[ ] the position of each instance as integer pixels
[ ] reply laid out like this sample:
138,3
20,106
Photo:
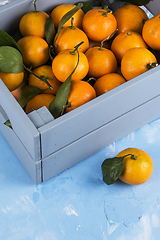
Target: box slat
40,117
32,167
36,119
45,114
22,126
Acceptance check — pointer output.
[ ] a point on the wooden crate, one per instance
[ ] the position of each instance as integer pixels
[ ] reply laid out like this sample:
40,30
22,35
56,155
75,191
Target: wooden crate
47,146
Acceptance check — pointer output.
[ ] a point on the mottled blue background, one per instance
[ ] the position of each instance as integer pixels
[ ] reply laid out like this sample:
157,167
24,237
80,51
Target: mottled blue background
77,204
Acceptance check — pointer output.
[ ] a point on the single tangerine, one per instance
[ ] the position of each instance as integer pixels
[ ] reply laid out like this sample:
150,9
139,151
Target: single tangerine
99,24
130,17
81,92
137,61
33,23
108,82
39,101
58,12
12,80
45,71
35,50
69,37
65,62
151,32
137,166
101,61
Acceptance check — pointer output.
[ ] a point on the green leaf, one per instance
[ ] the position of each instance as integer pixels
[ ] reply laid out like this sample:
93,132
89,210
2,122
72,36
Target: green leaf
27,93
66,17
112,169
8,124
58,104
50,30
86,5
52,53
11,60
17,35
136,2
7,40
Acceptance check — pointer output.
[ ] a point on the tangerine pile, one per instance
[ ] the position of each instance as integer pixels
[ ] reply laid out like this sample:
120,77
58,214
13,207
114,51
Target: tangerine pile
116,47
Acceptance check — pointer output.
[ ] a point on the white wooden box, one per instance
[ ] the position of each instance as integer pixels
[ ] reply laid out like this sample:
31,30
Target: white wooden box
46,146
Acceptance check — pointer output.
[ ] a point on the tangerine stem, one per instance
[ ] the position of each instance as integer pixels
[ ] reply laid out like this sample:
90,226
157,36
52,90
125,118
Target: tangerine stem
105,12
72,27
35,7
132,156
68,105
152,65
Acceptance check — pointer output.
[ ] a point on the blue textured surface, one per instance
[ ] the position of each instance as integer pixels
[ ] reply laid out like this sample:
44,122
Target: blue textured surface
77,204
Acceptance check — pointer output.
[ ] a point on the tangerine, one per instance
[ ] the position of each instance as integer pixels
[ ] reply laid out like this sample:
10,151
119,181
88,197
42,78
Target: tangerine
39,101
45,71
107,82
81,92
69,37
151,32
33,23
12,80
35,50
137,166
124,41
101,61
137,61
130,17
59,11
99,24
65,62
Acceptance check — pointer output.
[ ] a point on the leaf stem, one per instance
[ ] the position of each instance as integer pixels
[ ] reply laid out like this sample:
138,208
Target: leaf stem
76,48
91,79
134,157
42,78
106,39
